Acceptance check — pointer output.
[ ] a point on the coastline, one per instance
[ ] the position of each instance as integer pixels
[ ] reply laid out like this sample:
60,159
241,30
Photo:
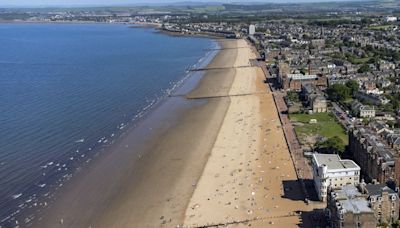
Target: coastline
26,203
137,161
224,150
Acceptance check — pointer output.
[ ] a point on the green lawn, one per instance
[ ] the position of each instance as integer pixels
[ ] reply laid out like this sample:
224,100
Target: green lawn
381,27
326,126
359,60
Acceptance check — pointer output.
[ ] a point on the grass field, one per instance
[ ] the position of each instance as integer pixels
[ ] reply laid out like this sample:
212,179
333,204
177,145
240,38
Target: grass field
326,126
382,27
359,60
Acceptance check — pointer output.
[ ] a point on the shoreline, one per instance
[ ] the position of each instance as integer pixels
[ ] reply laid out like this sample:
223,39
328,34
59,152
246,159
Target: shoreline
133,156
187,82
155,26
225,149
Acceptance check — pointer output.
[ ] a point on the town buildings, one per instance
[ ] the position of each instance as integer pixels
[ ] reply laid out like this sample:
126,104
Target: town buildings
314,98
348,208
331,172
295,81
362,111
383,200
378,161
371,98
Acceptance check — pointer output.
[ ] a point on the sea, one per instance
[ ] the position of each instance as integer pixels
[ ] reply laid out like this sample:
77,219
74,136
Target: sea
68,90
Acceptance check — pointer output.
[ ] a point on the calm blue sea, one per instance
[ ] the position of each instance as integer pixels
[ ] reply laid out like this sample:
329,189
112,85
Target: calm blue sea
67,90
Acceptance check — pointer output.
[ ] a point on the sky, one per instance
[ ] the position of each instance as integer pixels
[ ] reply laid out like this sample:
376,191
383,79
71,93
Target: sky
29,3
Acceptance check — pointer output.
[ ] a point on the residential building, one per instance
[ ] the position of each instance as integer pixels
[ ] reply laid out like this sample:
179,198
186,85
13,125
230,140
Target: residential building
366,111
349,208
335,79
378,161
295,81
331,172
385,65
319,104
318,43
383,200
362,111
372,98
313,98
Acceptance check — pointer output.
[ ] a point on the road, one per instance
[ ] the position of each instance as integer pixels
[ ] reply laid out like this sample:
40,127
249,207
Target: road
341,116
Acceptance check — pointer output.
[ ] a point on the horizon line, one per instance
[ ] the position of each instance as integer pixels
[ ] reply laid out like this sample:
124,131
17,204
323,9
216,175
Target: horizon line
181,3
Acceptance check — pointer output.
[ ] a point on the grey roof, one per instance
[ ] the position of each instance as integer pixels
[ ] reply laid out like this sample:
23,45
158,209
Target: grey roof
377,189
376,144
333,161
351,200
367,107
349,164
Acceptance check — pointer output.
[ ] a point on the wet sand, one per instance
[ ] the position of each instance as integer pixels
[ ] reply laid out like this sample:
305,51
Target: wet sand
222,160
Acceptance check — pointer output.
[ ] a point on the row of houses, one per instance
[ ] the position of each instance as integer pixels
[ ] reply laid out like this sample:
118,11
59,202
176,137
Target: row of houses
350,201
341,183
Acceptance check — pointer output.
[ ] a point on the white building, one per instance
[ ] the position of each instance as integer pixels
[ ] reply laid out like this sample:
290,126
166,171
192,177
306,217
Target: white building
302,76
367,111
252,30
391,19
330,171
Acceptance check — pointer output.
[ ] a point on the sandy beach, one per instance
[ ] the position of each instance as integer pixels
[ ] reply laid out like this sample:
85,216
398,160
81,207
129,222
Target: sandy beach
223,160
249,175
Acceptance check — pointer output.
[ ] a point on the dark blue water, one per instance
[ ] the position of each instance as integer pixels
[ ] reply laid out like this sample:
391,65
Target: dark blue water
68,90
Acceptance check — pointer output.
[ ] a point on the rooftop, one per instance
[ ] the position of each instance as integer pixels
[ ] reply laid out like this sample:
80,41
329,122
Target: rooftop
302,76
377,189
333,161
351,200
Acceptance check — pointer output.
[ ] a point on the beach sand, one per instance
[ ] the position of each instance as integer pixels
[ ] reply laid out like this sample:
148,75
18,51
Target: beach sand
224,159
250,166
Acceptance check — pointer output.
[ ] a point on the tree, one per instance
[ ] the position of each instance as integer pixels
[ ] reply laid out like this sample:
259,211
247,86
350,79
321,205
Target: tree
338,92
364,69
353,86
334,145
365,121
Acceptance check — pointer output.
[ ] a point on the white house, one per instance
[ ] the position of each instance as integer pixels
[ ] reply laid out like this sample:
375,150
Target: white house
330,171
